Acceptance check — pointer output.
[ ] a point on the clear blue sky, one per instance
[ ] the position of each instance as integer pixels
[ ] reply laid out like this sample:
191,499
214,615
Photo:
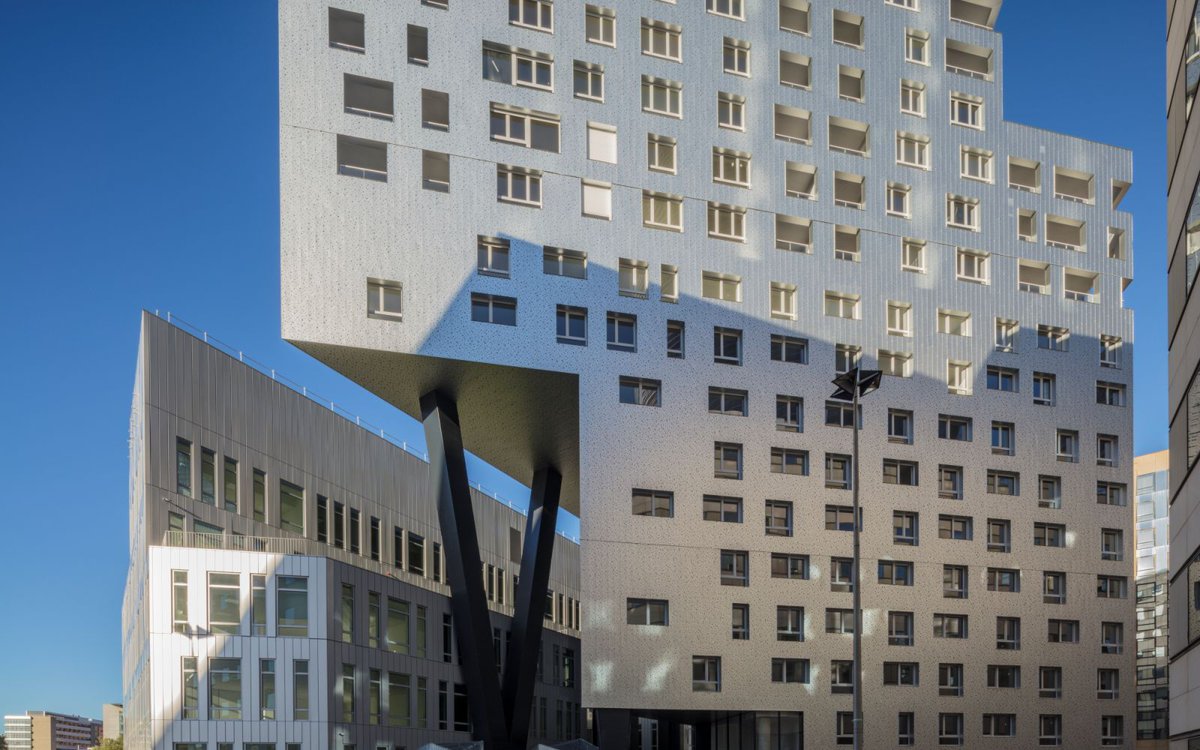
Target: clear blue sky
139,169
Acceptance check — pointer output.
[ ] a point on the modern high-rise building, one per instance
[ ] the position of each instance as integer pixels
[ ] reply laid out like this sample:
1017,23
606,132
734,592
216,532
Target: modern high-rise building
629,244
287,586
1183,330
46,730
1151,536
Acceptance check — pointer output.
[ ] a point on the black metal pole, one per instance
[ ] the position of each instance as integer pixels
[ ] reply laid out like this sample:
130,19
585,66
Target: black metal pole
858,623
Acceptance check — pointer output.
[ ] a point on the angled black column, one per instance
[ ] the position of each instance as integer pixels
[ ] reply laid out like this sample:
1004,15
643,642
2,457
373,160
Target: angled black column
464,568
536,554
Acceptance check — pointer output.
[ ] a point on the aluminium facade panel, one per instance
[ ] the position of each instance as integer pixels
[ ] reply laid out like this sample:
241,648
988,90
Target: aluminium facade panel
338,232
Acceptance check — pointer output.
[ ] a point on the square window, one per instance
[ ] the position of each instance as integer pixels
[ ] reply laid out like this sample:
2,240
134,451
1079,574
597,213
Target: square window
385,299
660,153
571,325
660,39
622,331
588,81
600,25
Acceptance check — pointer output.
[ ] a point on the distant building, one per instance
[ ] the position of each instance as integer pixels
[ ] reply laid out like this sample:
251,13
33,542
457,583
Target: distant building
1151,536
114,721
18,732
44,730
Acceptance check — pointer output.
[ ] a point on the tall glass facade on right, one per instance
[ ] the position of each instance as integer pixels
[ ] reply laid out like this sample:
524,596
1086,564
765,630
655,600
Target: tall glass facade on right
1152,533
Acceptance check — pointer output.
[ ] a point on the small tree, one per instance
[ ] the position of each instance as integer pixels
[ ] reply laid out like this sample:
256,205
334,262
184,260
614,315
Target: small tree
109,743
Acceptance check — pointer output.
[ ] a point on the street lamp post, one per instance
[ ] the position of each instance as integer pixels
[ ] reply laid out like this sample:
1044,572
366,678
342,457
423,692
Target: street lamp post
852,386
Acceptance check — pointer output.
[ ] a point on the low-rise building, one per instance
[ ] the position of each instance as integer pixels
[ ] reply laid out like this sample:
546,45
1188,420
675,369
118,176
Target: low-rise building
288,583
46,730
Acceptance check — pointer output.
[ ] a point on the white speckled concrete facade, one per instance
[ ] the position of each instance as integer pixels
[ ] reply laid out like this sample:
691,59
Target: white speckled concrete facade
338,231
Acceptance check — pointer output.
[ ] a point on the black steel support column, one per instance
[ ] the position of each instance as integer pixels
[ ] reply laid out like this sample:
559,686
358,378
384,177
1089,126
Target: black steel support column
464,568
537,552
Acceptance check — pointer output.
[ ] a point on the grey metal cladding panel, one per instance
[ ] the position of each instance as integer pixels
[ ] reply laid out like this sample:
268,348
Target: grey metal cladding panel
201,394
670,448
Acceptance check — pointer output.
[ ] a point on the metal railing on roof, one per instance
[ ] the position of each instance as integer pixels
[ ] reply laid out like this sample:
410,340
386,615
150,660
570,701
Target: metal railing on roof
329,404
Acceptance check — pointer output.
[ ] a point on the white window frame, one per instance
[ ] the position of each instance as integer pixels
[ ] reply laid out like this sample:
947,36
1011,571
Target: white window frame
731,167
1057,338
542,9
912,98
898,203
513,176
899,318
674,206
1005,334
514,58
380,293
963,212
726,222
737,51
976,164
971,109
633,278
592,72
1111,350
1043,382
789,167
895,364
844,306
908,248
735,9
972,265
961,320
919,147
1107,450
846,357
488,249
915,40
728,286
658,145
668,284
662,40
569,313
604,21
731,111
1030,215
671,93
783,300
527,119
958,377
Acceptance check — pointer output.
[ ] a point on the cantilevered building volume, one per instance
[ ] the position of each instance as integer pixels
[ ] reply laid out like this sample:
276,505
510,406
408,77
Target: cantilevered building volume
288,584
629,244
